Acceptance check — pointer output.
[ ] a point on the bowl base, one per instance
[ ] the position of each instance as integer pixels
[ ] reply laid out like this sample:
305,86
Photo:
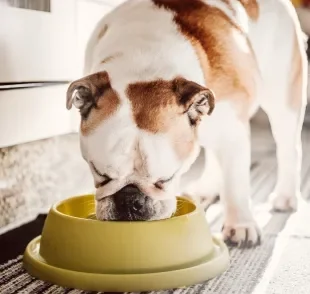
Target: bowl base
39,268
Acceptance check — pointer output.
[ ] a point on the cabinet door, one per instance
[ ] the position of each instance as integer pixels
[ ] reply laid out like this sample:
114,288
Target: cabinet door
37,45
89,13
35,113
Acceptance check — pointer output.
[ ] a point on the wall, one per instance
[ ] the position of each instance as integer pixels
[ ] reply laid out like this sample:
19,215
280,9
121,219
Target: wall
35,175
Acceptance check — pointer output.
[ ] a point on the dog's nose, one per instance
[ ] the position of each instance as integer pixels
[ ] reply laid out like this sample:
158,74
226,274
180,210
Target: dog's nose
131,204
137,205
132,196
130,189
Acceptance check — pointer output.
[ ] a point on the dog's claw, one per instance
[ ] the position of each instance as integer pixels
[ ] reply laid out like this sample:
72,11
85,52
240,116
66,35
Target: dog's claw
232,232
242,237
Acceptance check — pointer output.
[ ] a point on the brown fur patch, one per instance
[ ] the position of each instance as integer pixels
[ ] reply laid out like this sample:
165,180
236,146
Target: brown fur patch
158,108
152,102
228,70
106,107
107,101
251,7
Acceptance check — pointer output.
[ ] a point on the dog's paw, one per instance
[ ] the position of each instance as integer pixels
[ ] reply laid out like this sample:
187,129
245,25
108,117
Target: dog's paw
284,203
242,236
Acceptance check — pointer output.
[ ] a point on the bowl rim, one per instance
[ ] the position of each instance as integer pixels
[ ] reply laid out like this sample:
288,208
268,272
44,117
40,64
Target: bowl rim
40,268
54,210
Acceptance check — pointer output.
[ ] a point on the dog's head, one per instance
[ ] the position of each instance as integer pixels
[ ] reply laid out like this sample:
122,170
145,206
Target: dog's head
138,140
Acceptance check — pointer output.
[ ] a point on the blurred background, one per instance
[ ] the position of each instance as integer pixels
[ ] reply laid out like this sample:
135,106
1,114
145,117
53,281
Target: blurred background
42,46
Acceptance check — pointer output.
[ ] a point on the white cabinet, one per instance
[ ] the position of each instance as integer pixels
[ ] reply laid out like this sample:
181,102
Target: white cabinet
88,14
34,113
37,45
43,46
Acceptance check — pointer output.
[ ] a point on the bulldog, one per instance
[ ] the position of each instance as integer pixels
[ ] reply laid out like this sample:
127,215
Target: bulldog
165,78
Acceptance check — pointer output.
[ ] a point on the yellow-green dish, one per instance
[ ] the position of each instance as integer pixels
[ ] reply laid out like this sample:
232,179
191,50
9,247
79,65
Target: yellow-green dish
77,251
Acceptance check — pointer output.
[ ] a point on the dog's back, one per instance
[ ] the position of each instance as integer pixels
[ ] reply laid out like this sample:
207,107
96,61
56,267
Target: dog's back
201,41
224,44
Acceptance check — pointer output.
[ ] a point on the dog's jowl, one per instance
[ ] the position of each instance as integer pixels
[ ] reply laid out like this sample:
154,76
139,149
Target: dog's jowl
165,78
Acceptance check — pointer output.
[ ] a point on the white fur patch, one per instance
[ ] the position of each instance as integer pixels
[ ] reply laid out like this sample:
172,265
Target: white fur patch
144,46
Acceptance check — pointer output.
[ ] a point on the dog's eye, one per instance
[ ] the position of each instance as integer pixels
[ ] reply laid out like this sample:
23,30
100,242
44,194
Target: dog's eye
161,183
105,178
104,182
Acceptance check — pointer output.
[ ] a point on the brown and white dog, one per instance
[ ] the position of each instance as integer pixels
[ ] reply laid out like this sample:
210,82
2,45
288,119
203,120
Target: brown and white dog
165,77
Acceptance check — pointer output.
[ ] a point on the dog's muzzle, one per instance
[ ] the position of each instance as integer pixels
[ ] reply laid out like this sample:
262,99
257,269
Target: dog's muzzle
131,204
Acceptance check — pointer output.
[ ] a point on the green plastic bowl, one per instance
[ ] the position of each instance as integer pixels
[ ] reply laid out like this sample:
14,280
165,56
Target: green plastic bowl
78,251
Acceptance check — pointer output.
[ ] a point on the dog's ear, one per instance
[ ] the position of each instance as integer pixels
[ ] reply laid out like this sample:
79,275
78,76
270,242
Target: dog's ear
85,93
196,99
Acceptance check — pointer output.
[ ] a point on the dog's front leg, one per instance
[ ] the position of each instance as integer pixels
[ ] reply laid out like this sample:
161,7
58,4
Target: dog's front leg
234,153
